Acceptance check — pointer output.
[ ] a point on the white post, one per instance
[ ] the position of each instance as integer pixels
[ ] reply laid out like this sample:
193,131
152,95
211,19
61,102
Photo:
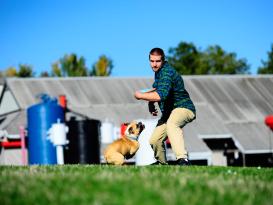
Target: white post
60,154
57,135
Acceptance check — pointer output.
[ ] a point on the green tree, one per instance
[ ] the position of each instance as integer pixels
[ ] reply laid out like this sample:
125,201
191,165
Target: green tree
185,58
189,60
44,74
25,71
56,70
267,67
71,66
103,67
221,62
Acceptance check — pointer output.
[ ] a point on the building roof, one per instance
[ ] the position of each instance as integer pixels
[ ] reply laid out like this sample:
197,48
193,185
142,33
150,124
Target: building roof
227,105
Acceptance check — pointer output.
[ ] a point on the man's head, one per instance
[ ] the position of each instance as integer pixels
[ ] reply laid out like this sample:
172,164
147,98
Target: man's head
157,58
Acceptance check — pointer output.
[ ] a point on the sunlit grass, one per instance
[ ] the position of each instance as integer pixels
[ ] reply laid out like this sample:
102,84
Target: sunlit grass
95,184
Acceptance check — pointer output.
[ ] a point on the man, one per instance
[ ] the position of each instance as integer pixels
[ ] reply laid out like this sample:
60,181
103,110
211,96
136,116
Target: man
176,107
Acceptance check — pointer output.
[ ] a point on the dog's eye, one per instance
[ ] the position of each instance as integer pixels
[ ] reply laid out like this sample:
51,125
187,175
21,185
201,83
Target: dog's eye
130,130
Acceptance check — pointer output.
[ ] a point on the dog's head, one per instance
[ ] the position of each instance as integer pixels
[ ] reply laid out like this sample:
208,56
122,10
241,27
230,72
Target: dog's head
134,129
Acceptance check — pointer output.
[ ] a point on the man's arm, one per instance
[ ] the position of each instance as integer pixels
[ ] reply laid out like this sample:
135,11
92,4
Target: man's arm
150,96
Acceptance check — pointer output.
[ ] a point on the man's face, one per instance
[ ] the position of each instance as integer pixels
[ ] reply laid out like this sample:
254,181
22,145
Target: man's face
156,62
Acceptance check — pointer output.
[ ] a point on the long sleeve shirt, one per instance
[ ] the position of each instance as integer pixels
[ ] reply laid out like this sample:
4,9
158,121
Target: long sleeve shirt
170,87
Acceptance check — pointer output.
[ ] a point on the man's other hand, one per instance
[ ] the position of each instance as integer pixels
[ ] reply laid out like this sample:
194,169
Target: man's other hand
152,108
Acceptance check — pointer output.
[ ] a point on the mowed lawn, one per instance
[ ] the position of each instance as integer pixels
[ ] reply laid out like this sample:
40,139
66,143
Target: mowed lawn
102,184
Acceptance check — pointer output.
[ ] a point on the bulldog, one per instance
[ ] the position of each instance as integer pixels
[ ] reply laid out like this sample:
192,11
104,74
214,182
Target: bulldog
126,146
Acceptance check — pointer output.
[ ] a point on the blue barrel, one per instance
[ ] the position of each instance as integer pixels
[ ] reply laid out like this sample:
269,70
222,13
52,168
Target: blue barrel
40,118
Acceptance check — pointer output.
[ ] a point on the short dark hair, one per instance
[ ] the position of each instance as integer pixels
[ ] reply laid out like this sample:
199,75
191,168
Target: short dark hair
159,52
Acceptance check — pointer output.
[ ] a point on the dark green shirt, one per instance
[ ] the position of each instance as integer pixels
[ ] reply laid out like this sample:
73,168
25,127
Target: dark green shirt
170,87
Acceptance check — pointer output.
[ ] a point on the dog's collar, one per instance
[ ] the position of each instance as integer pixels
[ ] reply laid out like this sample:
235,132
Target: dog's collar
132,137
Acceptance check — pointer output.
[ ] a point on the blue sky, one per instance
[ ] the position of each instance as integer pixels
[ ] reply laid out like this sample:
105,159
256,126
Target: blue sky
39,32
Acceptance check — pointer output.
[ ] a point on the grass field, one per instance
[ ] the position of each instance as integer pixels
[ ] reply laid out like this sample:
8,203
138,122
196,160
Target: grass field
95,184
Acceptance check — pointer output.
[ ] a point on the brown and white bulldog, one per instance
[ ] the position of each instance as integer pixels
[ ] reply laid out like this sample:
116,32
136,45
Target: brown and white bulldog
126,146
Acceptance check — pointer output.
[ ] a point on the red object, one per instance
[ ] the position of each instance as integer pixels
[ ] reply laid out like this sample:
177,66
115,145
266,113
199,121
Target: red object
11,144
62,101
123,128
269,121
168,141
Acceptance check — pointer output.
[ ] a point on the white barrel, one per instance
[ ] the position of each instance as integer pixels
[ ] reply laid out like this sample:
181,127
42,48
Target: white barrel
116,133
107,132
145,154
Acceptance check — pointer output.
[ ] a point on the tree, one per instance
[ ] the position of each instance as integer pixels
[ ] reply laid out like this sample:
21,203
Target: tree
44,74
185,58
267,67
221,62
70,65
188,60
10,72
103,67
56,70
25,71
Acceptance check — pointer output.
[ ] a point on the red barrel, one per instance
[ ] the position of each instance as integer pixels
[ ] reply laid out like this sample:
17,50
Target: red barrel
62,101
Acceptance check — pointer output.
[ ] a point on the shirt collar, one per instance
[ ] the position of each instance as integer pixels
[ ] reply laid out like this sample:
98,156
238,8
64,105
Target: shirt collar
165,64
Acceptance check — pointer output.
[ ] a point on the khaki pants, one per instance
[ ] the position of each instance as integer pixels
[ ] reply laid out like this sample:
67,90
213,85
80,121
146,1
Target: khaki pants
179,117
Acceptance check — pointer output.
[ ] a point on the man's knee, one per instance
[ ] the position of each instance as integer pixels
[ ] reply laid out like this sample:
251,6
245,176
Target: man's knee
156,141
171,125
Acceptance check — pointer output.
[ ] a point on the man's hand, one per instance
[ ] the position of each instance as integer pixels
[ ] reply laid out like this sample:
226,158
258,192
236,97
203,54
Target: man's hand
138,95
152,108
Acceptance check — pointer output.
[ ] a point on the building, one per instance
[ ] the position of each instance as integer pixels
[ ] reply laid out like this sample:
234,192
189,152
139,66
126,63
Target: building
229,129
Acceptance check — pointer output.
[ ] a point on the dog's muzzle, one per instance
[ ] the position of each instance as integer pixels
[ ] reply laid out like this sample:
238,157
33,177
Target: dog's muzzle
141,126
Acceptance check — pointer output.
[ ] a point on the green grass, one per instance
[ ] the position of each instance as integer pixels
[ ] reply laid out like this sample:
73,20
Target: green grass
95,184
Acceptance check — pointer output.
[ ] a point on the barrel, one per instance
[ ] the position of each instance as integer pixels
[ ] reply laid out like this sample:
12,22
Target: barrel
40,118
107,132
84,143
269,121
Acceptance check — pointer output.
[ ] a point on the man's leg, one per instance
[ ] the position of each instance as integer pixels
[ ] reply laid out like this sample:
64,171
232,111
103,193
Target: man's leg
178,119
157,143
